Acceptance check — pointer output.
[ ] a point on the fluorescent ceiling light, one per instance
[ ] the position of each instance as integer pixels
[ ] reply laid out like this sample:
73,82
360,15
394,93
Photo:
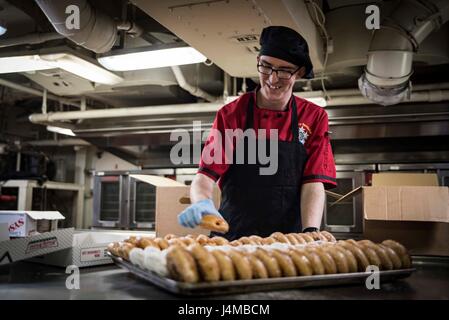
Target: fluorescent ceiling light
82,68
67,62
23,64
2,30
152,59
60,130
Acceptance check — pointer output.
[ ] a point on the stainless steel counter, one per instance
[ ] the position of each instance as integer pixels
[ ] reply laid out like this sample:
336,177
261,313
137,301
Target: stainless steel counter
25,280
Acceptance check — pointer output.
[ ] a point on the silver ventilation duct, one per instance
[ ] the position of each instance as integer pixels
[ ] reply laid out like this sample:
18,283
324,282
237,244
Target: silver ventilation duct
386,79
97,31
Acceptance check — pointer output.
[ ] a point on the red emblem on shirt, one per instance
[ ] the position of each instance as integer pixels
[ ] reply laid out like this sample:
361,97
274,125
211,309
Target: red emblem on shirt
304,132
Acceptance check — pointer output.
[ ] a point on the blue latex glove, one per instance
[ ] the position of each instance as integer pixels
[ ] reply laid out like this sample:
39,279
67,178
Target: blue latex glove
191,217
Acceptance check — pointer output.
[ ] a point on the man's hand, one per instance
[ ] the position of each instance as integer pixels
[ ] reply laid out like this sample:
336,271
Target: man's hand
191,217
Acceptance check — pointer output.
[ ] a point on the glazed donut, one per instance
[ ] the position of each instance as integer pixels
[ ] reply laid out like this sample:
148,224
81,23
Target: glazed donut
268,241
339,258
256,239
170,236
162,243
207,264
306,237
270,263
279,237
202,239
125,249
317,236
350,258
371,254
133,240
181,265
285,263
258,268
385,260
400,251
176,241
329,264
397,264
352,261
214,223
187,241
292,239
246,240
147,242
315,261
362,260
328,236
299,238
219,241
241,264
114,248
227,270
302,263
235,243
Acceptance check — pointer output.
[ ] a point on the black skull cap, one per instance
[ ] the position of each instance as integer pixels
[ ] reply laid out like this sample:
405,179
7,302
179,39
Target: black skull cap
286,44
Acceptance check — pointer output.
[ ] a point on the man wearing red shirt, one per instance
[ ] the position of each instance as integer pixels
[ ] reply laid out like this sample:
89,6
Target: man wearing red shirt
291,199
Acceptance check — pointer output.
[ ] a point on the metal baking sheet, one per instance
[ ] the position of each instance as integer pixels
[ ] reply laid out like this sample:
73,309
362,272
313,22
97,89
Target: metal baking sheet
245,286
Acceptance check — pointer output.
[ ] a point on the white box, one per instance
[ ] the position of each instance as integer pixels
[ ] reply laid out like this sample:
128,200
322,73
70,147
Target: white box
37,245
4,233
89,248
28,223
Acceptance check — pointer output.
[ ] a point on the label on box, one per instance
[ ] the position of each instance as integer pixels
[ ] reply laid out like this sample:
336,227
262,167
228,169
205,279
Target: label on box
93,254
42,244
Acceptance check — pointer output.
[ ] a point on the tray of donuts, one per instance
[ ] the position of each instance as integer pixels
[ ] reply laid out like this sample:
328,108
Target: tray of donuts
199,265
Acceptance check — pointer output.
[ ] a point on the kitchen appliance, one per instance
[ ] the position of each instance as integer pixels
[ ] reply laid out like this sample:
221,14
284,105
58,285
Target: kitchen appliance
123,202
346,216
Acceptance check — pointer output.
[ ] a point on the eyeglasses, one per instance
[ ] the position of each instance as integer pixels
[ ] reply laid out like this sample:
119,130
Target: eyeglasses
281,74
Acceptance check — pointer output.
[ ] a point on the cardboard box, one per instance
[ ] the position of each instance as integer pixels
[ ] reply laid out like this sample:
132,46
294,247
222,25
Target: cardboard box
32,246
27,223
409,208
88,248
172,197
394,203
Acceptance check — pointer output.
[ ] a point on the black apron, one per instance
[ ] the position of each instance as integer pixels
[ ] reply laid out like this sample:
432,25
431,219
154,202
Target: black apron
255,204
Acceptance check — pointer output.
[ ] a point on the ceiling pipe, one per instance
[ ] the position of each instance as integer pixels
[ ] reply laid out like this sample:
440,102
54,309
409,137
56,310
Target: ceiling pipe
36,92
421,96
386,79
201,108
356,92
193,90
58,143
28,39
192,108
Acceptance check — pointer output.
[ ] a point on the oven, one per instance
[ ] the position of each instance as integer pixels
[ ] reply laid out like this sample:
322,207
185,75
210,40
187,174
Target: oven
109,201
346,216
124,202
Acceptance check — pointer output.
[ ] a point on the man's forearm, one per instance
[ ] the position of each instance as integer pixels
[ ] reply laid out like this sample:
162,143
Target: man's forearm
202,188
312,204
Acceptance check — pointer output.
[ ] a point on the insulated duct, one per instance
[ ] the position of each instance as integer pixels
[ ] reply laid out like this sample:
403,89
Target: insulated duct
97,31
386,79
